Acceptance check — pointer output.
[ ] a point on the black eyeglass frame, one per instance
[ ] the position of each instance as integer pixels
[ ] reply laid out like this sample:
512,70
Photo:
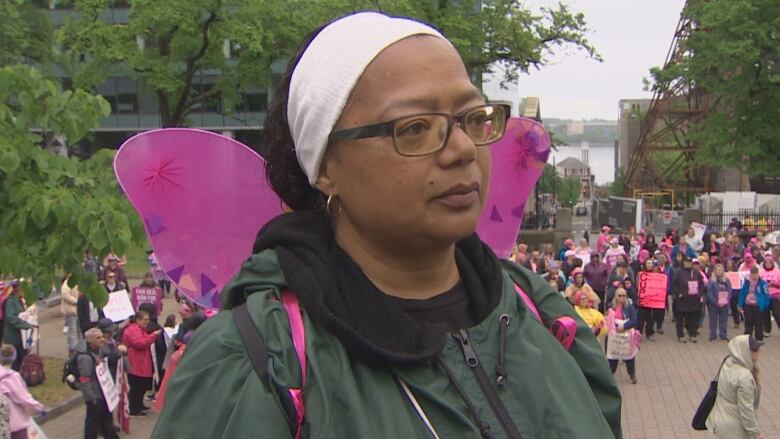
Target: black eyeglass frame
388,128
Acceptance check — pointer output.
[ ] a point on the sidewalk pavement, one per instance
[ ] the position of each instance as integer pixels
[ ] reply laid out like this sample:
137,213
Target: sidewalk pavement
673,378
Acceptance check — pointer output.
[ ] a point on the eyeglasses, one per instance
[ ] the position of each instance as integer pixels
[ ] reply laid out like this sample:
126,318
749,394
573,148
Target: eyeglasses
426,133
621,295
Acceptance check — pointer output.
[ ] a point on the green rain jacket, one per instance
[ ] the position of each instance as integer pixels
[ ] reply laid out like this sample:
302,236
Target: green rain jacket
549,392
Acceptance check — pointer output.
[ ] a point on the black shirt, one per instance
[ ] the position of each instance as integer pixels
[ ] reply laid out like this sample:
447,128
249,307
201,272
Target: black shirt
449,310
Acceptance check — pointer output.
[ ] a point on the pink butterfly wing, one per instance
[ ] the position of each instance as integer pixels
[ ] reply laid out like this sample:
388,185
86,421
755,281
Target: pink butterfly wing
202,198
518,161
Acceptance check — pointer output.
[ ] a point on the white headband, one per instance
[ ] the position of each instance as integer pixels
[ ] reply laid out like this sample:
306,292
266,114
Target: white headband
327,72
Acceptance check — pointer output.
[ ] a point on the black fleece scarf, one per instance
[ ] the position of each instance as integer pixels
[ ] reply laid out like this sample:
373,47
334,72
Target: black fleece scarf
338,296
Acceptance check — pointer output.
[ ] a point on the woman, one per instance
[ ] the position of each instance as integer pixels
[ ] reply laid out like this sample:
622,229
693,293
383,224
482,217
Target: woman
577,284
731,267
714,248
754,303
381,254
147,292
12,385
687,288
734,415
12,330
719,292
585,308
623,318
138,342
771,275
646,316
583,251
650,244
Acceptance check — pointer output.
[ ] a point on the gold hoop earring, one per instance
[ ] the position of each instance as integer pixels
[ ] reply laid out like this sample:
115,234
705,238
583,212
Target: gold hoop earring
329,205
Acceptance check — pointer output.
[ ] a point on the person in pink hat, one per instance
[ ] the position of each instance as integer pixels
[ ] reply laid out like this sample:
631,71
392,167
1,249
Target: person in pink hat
612,253
577,285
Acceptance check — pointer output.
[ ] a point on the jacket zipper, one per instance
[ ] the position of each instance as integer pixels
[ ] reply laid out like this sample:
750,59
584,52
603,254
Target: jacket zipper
472,361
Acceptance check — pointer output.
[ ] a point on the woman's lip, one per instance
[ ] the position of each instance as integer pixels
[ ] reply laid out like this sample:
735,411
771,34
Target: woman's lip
460,200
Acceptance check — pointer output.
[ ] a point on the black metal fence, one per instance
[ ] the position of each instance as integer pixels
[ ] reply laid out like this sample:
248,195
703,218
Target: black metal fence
538,220
742,220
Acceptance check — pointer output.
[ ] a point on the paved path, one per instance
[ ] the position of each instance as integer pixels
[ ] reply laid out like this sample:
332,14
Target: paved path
672,380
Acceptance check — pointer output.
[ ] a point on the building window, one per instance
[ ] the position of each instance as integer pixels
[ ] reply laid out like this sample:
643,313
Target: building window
126,96
255,102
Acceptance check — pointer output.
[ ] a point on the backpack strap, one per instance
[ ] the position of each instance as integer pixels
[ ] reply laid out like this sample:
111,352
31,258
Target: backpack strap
290,302
258,354
253,342
563,328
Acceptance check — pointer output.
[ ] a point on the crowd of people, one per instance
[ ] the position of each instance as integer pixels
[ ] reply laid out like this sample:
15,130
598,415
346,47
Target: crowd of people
140,343
715,275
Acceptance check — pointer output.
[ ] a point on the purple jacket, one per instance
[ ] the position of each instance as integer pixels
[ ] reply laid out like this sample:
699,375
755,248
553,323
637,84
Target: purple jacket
597,276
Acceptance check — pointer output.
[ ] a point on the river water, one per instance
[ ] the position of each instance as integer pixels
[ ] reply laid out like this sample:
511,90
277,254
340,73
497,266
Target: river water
601,159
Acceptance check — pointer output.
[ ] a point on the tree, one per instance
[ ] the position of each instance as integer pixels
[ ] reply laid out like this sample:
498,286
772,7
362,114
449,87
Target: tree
165,45
55,207
733,55
570,191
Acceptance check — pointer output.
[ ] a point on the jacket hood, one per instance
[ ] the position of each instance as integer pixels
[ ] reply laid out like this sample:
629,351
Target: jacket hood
4,372
739,347
337,295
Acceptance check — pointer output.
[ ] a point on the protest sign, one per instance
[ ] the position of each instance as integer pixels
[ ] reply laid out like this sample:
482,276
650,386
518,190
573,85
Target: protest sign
699,229
118,307
142,295
108,386
620,346
652,290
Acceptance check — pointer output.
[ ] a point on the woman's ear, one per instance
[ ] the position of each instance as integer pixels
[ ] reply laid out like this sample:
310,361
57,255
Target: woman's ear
326,180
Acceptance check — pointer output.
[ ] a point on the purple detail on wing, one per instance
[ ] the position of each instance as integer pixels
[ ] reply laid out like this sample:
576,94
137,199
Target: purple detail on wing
175,274
517,163
154,224
206,284
495,216
210,197
215,302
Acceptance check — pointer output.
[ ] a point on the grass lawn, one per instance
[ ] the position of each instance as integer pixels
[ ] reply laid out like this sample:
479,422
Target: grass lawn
137,264
53,390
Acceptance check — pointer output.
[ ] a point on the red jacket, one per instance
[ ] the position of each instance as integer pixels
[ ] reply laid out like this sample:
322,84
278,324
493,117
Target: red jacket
139,354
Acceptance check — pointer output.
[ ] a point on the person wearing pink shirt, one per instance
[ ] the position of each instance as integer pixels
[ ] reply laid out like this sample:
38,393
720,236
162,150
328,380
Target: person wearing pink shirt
603,242
138,342
612,253
771,274
15,390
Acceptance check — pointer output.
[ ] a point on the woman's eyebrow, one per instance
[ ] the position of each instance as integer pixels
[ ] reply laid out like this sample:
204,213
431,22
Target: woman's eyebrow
432,103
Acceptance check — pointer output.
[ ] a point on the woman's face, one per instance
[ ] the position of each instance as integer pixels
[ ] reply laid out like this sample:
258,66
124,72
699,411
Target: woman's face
719,271
394,199
584,301
579,279
649,264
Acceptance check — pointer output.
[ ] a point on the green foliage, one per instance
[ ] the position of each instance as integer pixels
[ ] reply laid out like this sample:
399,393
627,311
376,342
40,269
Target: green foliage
570,191
734,56
618,187
238,41
567,190
24,35
55,207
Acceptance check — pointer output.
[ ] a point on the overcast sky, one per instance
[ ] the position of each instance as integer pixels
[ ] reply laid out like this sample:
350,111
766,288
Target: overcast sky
631,36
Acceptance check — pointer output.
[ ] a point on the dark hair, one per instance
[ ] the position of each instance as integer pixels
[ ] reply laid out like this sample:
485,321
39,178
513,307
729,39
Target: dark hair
170,321
282,170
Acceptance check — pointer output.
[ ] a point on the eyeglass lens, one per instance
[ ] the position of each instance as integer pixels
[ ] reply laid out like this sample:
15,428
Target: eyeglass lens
426,133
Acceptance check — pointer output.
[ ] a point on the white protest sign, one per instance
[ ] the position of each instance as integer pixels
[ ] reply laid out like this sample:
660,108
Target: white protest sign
699,229
110,392
118,307
619,346
34,431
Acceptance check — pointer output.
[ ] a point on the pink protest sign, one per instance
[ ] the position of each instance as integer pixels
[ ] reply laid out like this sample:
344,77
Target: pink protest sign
517,162
652,290
202,198
153,295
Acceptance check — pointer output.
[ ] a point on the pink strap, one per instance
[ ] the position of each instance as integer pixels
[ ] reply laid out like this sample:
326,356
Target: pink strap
528,302
290,302
563,328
